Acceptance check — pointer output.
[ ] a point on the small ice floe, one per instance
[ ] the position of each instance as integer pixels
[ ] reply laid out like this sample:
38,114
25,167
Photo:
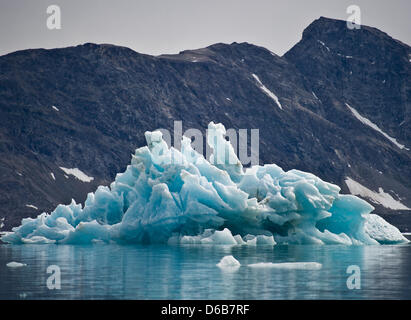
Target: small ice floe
37,240
15,264
288,265
225,237
209,236
31,206
78,174
229,262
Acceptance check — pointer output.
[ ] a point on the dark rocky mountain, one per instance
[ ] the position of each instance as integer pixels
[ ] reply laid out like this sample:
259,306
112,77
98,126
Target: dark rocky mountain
105,97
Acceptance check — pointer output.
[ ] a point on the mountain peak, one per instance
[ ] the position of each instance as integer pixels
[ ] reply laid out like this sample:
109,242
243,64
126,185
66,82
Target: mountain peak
334,36
219,51
336,29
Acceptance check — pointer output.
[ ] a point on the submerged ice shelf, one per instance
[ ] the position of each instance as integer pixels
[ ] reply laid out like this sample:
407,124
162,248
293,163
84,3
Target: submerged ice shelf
171,196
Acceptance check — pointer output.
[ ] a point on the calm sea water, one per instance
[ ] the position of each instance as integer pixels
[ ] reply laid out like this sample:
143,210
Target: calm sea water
190,272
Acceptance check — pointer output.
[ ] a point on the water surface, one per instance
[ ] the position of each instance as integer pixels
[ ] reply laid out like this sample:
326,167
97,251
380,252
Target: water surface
102,271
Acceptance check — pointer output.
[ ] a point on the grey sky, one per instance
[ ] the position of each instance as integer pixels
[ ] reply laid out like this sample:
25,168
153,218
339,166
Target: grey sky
164,26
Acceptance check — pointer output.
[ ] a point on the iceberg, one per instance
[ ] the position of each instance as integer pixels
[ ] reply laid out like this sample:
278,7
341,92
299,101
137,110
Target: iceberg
229,262
381,230
167,195
14,264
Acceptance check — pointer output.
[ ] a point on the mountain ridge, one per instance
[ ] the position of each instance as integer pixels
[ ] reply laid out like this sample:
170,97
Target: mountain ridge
107,96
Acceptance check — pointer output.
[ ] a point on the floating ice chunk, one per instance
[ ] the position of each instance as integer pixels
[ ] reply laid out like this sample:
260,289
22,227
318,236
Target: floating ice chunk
239,240
229,262
265,240
288,265
251,241
380,230
22,295
223,237
37,240
267,91
209,236
77,173
14,264
31,206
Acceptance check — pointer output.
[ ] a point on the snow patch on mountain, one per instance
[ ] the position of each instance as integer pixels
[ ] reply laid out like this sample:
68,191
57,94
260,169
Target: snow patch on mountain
379,197
375,127
267,91
77,173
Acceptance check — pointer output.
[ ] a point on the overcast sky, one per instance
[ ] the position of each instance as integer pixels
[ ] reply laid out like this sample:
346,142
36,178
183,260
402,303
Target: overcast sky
166,26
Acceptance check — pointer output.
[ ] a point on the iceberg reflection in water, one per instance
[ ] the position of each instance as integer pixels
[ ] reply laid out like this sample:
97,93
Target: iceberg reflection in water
190,272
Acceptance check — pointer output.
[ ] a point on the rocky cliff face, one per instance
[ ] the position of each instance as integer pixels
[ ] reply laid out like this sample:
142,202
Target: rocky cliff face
88,107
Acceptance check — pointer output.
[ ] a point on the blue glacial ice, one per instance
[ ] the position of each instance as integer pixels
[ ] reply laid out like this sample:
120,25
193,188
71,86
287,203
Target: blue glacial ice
171,196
